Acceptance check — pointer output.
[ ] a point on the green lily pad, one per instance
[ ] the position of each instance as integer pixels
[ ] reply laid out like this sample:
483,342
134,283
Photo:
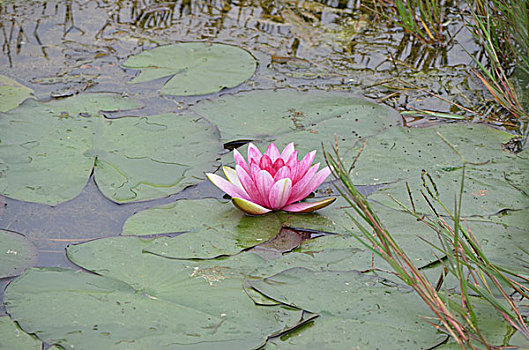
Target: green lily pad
517,174
12,93
16,254
305,118
12,337
354,310
212,227
143,301
402,154
194,68
50,149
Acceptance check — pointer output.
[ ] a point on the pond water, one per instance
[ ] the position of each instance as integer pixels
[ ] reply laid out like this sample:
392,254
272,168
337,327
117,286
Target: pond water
69,47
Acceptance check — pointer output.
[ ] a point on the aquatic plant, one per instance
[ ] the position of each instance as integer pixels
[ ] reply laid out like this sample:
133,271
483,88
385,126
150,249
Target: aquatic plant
423,19
501,27
460,256
273,181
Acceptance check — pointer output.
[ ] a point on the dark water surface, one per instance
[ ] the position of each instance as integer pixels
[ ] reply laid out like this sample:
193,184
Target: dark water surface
60,48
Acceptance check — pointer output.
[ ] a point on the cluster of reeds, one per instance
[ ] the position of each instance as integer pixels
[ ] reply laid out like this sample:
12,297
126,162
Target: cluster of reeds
460,255
423,19
502,29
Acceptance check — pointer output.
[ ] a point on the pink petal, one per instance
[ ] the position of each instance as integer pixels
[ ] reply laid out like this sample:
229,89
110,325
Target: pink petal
278,164
292,160
249,207
254,171
304,165
232,177
253,153
280,193
266,164
248,184
239,160
316,180
264,183
227,186
287,151
283,173
299,188
272,152
308,207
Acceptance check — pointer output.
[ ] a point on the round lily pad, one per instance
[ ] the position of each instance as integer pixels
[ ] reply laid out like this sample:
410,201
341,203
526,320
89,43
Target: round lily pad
50,150
12,93
12,337
194,68
142,301
305,118
421,157
212,227
16,253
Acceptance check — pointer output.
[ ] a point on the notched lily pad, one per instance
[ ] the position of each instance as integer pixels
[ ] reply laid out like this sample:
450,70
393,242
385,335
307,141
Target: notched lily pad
143,301
287,115
194,68
402,154
12,93
212,227
50,150
16,254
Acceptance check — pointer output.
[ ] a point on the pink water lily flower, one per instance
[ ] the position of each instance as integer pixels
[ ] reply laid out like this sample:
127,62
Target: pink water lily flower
273,181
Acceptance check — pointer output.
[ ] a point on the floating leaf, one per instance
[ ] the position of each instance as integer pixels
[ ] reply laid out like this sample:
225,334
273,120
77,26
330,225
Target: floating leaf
143,301
16,254
399,153
354,310
12,93
402,154
50,149
194,68
12,337
306,118
213,228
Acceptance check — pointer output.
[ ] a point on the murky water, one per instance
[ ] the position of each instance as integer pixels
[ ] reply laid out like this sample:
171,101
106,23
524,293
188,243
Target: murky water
61,48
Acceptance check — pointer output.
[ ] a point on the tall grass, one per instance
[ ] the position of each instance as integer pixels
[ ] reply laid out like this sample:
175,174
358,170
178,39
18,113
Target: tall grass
423,19
463,258
502,29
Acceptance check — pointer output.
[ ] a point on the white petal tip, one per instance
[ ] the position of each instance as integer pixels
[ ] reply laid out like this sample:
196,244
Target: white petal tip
249,207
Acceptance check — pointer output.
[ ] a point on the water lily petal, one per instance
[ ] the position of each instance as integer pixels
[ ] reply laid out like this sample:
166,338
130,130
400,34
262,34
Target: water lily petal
299,188
272,152
280,193
266,164
292,160
308,207
304,165
254,153
264,184
227,186
249,207
287,151
232,177
254,171
278,164
239,160
313,184
282,173
249,185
